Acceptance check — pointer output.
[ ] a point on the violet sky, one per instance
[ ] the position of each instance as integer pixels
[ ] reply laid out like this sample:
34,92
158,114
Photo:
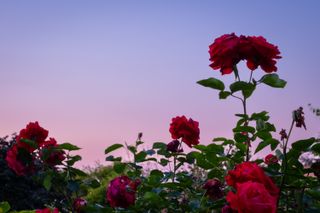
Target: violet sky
98,72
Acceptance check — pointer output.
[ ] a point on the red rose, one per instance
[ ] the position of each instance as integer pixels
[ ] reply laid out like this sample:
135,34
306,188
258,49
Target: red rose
50,155
79,204
248,171
261,53
270,159
188,130
47,210
227,51
227,209
19,160
32,132
122,192
173,146
252,197
214,189
224,53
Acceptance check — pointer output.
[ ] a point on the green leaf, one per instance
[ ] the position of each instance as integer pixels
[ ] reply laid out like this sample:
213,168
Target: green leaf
224,94
263,135
203,163
159,145
112,148
212,83
4,207
316,148
273,142
112,158
242,147
246,88
164,162
273,80
240,138
244,129
200,147
219,139
303,145
261,115
73,159
157,173
214,148
119,167
31,143
47,182
141,156
92,182
78,172
68,146
260,124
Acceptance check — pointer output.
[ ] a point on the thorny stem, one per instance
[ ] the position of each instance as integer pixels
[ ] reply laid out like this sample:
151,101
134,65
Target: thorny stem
284,169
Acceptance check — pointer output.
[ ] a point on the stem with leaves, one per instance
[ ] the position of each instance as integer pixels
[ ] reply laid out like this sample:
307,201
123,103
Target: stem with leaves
284,162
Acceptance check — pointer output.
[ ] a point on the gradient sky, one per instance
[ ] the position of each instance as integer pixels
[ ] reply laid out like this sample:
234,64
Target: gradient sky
98,72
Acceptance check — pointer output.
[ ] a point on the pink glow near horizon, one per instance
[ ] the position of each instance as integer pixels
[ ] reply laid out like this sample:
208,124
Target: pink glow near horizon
98,73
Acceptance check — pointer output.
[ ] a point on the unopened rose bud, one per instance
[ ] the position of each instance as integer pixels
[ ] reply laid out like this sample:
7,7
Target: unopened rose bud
227,209
140,136
173,146
79,204
270,159
214,189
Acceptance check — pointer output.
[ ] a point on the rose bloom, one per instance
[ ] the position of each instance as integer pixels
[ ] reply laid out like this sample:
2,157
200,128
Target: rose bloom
260,53
229,49
224,53
270,159
214,189
50,155
32,132
47,210
187,130
173,146
252,197
248,171
227,209
19,160
121,192
79,204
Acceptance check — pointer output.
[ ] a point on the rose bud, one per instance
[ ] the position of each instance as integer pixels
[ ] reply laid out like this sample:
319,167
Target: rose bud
79,204
227,209
173,146
214,189
270,159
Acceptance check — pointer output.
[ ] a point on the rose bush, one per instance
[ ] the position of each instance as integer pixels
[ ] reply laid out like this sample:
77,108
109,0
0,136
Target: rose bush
227,175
